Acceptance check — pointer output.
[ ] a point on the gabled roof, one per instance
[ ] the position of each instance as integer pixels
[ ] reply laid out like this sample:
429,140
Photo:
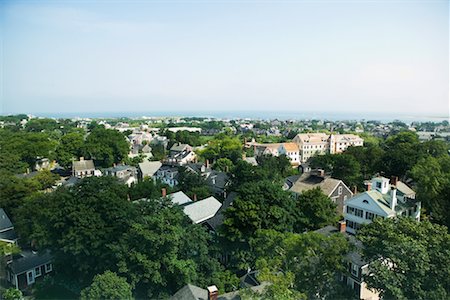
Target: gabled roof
180,198
5,222
290,147
83,165
9,236
190,292
251,160
217,220
377,198
28,261
404,189
309,181
179,147
202,210
149,168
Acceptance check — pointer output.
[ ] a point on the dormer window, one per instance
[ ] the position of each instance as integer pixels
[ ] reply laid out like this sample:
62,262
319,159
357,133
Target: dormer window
365,202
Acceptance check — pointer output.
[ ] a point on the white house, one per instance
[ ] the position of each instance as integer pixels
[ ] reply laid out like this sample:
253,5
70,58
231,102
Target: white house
384,198
292,151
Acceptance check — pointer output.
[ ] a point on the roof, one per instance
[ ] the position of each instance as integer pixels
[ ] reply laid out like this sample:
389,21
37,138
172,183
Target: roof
180,198
120,168
9,235
312,137
251,160
404,189
29,260
179,147
290,147
83,165
308,182
190,292
217,179
217,220
202,210
149,168
5,222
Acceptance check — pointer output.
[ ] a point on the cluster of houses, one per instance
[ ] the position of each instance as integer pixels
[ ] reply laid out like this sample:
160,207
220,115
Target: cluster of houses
306,145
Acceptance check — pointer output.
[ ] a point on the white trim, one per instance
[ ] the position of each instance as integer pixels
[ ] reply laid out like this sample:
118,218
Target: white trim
348,189
29,282
47,270
36,273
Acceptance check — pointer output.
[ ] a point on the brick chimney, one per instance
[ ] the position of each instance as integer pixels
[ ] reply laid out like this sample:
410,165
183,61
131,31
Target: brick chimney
369,185
355,190
194,197
207,163
342,226
394,180
213,292
164,192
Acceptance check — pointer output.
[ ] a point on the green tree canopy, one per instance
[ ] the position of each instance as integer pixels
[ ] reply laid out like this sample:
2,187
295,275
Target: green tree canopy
408,259
314,210
106,146
107,286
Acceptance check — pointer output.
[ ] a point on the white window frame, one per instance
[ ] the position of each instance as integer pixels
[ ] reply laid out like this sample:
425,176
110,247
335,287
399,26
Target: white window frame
355,270
47,268
29,282
37,274
340,190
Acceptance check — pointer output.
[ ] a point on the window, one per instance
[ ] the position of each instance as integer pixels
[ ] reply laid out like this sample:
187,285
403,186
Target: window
355,270
379,185
350,210
30,277
340,190
48,268
369,215
37,271
345,197
365,202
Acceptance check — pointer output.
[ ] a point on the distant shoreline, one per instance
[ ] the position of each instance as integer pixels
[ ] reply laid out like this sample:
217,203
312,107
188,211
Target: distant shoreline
263,115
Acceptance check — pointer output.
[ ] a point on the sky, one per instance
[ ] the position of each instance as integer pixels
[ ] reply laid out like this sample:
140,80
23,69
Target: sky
131,56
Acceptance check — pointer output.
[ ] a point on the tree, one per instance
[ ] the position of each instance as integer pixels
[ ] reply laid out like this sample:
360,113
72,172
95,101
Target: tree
162,250
223,164
78,224
70,147
259,205
106,146
341,166
147,188
223,146
308,262
314,210
107,286
192,184
408,259
12,294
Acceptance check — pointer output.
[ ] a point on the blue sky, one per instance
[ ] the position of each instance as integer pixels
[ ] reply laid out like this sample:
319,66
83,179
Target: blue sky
128,56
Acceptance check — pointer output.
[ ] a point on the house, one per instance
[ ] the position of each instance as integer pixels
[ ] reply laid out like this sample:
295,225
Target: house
181,154
42,164
198,211
125,174
217,220
202,210
357,267
217,182
23,270
384,198
137,150
192,292
7,232
335,189
311,144
167,175
292,151
148,169
83,168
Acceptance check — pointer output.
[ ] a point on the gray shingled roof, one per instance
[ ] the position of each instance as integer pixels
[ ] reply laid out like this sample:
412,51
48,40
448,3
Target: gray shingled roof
308,182
190,292
83,165
180,198
9,235
29,261
202,210
149,168
178,147
5,222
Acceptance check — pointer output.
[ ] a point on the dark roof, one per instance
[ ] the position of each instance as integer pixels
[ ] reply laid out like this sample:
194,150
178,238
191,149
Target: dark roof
9,235
218,179
217,220
5,222
29,260
190,292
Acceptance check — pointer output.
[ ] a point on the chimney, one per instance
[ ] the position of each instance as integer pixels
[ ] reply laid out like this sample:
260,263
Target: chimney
207,163
393,197
369,185
81,158
164,192
194,197
355,190
321,172
213,292
394,180
342,226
